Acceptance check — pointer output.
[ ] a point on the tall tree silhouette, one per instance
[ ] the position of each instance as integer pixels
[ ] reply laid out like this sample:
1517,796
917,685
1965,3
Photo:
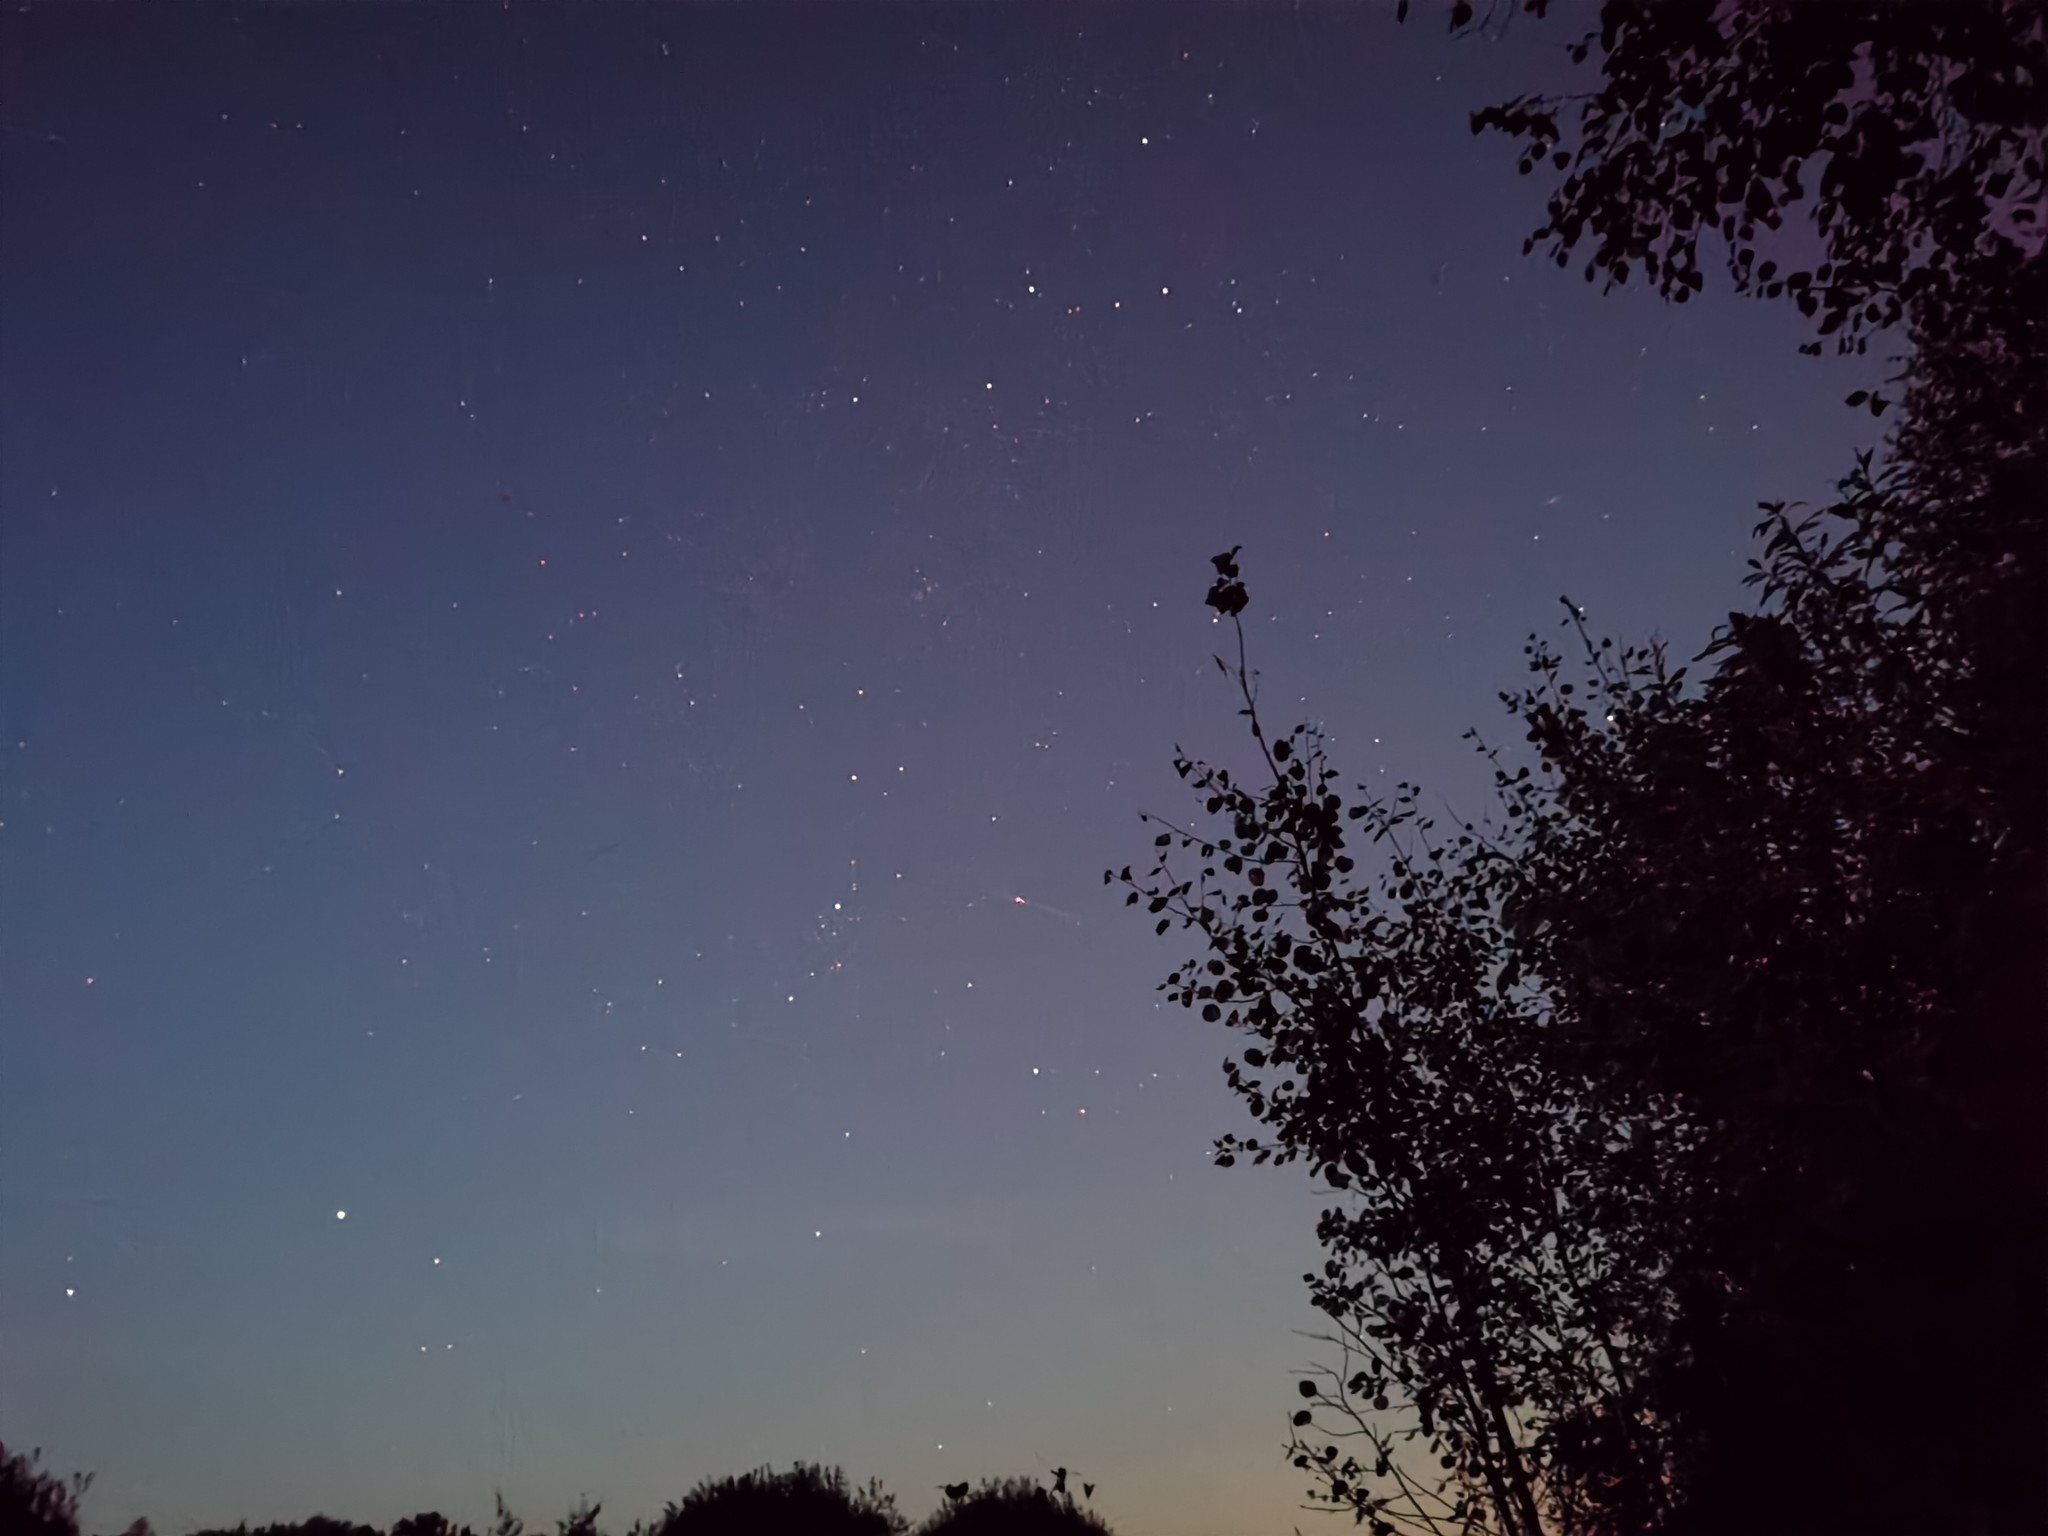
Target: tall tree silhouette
1499,1275
1809,898
1747,973
1669,1094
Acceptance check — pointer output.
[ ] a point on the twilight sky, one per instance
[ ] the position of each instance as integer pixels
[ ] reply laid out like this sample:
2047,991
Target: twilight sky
583,602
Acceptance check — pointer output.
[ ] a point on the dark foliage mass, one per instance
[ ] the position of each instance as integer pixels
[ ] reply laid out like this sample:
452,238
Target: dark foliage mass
321,1525
1015,1506
1674,1095
1909,129
1686,1116
806,1500
35,1501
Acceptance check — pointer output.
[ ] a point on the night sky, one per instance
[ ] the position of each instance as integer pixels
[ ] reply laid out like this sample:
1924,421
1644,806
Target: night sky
586,599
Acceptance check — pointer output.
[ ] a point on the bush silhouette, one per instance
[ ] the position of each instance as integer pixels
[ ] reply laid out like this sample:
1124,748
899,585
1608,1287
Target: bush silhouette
35,1501
806,1500
1014,1506
313,1525
432,1523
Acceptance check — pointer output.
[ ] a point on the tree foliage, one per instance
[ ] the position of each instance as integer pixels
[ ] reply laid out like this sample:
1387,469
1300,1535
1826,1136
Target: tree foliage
1014,1506
805,1498
1910,130
810,1499
1664,1095
1500,1272
1688,1116
36,1501
429,1523
1710,1064
1805,900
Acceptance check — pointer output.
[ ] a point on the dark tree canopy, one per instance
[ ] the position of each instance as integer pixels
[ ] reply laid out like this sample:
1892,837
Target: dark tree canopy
315,1525
1807,896
1911,130
1686,1118
431,1523
1669,1097
1500,1258
805,1498
35,1501
1015,1506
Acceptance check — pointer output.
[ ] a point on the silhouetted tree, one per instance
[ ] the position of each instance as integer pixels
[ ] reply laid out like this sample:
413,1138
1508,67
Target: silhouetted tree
1501,1273
806,1498
315,1525
431,1523
1015,1506
1910,129
1669,1096
35,1501
1749,973
1748,969
1806,899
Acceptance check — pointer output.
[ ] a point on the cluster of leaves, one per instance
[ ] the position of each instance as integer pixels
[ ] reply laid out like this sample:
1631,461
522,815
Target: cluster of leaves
1913,127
